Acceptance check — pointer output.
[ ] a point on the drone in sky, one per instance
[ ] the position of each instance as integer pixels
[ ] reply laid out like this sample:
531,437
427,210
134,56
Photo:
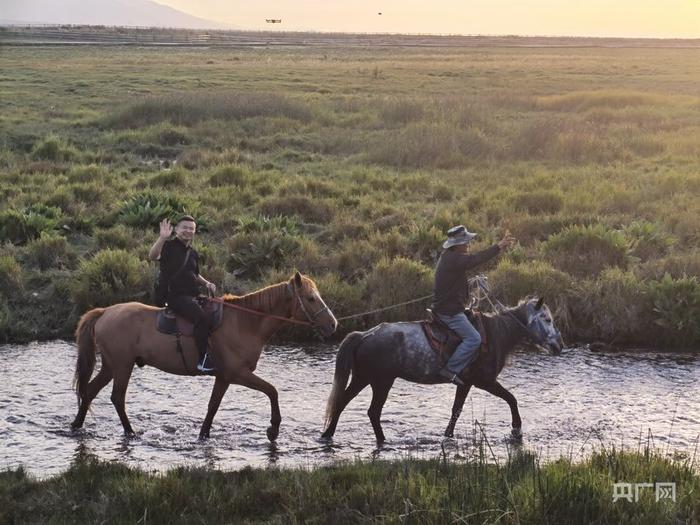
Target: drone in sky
273,20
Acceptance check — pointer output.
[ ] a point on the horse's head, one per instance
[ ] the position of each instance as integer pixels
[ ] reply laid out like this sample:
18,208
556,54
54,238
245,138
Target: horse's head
541,327
310,306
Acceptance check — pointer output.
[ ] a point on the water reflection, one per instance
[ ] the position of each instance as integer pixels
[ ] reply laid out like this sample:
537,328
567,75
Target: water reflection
569,404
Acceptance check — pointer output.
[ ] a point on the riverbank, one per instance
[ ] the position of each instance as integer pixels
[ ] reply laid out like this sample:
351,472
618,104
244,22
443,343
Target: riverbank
520,490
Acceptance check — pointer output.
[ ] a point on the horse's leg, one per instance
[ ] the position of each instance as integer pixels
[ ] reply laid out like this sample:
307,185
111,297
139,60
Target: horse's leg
354,388
460,397
380,391
121,381
250,380
217,393
498,390
103,377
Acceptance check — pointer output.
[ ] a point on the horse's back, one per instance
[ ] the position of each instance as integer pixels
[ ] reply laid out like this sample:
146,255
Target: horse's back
400,349
124,319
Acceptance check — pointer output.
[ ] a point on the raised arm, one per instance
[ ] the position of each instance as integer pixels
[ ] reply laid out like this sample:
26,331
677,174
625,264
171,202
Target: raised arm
472,260
166,231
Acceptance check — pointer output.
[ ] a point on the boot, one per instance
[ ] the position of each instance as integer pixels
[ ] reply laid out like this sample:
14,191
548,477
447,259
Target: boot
453,378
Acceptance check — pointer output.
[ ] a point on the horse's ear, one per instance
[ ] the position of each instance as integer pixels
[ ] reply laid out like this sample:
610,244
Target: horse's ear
297,279
539,303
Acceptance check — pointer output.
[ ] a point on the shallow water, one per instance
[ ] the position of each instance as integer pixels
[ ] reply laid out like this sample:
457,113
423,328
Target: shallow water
568,403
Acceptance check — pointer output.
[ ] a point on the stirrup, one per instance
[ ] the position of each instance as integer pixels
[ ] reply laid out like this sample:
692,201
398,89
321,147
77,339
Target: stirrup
204,366
451,377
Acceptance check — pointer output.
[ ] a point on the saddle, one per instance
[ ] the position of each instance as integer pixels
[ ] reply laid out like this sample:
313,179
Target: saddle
443,340
168,322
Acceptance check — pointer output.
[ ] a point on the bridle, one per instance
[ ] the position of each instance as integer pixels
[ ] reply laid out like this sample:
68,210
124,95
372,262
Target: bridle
311,317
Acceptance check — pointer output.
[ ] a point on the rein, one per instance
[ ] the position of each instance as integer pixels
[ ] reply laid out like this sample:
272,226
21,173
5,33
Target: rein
256,312
292,320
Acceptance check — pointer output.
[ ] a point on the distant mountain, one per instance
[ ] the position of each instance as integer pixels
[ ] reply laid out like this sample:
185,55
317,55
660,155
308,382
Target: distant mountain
100,12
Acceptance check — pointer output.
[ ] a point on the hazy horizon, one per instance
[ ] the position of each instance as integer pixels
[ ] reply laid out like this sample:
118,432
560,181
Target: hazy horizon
640,19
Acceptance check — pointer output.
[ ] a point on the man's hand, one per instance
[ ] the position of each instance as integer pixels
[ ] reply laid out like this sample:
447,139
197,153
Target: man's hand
166,229
211,287
507,241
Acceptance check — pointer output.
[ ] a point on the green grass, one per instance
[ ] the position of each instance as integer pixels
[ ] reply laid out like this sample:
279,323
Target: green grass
588,155
520,490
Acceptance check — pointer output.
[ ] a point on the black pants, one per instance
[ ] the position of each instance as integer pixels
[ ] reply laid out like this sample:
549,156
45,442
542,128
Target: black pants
187,306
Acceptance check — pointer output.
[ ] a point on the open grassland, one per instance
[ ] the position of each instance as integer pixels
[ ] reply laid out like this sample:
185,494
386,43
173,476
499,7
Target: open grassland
350,165
408,491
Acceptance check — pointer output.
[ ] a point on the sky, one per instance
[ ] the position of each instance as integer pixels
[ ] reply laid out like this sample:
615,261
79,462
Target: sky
624,18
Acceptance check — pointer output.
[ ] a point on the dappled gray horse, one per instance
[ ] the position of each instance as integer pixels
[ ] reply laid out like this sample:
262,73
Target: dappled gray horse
390,350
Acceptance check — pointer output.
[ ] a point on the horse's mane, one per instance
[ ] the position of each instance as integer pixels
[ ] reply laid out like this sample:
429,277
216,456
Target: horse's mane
265,298
503,330
262,300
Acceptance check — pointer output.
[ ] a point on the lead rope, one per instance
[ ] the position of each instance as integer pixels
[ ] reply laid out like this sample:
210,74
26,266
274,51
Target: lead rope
483,292
412,301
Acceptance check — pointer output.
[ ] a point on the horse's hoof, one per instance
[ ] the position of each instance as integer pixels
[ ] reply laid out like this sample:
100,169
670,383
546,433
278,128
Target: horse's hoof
204,437
449,434
516,434
272,433
326,436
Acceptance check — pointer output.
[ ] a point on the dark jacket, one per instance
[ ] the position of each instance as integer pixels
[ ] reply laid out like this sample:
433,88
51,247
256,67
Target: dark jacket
171,258
451,286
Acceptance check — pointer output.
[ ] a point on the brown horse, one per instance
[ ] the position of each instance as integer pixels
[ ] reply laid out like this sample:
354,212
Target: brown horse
125,334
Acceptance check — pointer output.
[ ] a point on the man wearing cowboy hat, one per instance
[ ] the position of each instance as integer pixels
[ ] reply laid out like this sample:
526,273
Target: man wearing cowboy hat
452,295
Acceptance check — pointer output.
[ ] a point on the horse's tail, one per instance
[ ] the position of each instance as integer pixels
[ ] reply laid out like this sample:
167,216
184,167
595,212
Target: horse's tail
343,365
85,364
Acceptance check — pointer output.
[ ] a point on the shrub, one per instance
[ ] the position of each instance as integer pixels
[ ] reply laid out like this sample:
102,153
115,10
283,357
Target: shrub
538,202
10,274
534,139
251,254
613,307
54,149
528,229
118,236
424,242
581,145
90,173
511,282
584,100
168,178
261,223
430,146
586,250
342,297
90,193
310,210
676,265
352,260
394,281
648,240
196,158
190,108
230,176
166,134
5,321
20,227
400,111
148,209
111,276
677,309
51,251
347,226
